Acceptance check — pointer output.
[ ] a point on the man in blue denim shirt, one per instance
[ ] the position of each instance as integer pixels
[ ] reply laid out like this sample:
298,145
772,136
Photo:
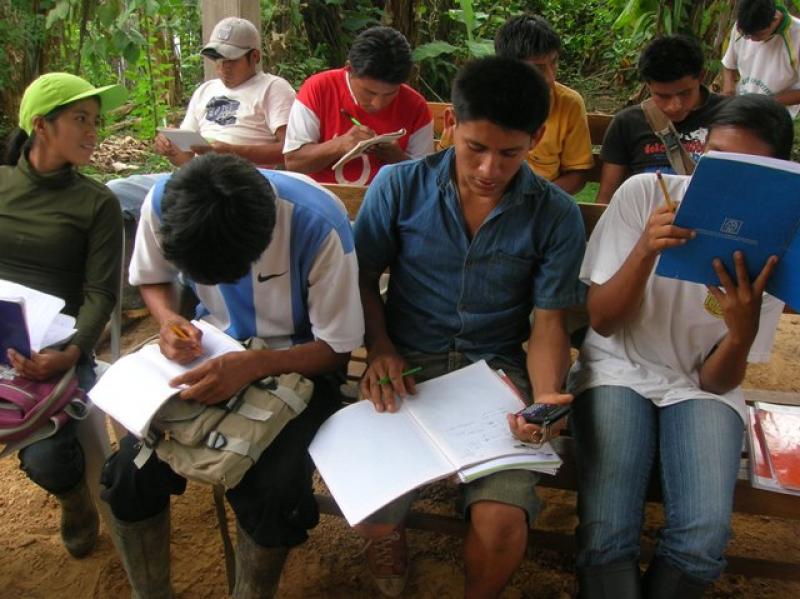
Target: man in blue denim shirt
474,240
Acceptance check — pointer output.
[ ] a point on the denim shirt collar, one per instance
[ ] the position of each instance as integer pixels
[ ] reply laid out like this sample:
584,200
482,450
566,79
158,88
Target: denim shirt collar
523,187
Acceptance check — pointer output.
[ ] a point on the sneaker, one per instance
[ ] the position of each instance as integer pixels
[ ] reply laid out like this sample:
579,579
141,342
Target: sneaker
387,562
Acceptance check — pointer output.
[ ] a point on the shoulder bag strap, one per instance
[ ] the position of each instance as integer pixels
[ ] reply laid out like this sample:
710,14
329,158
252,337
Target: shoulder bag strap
679,158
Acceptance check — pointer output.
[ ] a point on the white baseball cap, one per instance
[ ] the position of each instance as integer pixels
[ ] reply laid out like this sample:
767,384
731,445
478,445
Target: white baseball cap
232,38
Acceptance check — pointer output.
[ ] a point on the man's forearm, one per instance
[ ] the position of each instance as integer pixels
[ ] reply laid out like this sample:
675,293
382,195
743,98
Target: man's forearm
314,157
725,368
309,359
729,81
572,181
376,336
612,176
161,300
548,352
262,154
617,301
789,97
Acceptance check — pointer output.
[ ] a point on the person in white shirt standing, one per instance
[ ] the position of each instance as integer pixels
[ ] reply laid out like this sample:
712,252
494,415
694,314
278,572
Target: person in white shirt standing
243,111
763,55
657,381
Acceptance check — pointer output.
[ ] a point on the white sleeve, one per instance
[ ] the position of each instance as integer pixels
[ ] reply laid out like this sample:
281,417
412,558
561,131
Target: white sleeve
303,128
420,143
729,60
148,265
280,98
334,302
771,310
617,231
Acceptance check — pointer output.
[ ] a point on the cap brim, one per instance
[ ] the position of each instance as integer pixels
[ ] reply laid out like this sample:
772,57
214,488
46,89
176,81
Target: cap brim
215,51
111,96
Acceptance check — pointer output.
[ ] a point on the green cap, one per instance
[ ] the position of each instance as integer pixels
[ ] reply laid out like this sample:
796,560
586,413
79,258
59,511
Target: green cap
57,89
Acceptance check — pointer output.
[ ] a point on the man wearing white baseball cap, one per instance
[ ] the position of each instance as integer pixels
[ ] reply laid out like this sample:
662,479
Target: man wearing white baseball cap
232,38
244,111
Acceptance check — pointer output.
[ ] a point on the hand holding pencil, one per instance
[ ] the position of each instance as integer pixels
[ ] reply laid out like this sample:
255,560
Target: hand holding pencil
180,341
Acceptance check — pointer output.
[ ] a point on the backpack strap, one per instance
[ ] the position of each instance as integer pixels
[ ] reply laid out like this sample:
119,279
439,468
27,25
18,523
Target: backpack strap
680,160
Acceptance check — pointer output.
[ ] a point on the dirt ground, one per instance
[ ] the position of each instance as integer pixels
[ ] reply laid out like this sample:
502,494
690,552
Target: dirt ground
33,563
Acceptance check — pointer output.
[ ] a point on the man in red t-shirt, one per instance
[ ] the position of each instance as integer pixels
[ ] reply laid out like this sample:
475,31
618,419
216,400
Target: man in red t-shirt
336,109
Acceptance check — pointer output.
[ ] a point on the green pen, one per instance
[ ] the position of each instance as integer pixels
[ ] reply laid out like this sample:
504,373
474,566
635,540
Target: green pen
385,380
353,119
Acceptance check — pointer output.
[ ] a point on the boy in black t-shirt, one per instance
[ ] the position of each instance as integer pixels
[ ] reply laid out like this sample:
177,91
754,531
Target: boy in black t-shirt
673,69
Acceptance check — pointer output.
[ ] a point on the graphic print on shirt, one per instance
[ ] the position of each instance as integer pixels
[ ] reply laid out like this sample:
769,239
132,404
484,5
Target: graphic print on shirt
222,110
692,141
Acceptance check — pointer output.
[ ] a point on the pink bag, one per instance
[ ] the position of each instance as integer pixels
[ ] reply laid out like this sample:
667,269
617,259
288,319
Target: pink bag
33,410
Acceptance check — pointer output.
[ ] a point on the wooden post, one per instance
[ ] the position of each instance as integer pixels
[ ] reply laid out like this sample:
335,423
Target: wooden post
216,10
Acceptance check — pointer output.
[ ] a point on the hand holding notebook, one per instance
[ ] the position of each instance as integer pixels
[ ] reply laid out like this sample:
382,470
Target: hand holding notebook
364,145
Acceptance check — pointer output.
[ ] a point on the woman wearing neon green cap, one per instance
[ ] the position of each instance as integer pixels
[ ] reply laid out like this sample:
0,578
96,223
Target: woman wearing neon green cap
61,233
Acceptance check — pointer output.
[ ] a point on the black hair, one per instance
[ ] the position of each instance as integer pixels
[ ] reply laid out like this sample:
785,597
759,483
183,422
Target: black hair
504,91
670,58
217,218
381,53
525,37
763,116
754,15
19,142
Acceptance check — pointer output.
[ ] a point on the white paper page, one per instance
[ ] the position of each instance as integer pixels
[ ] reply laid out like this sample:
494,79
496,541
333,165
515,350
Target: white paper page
134,387
183,138
367,458
465,413
61,330
363,145
543,460
215,342
40,309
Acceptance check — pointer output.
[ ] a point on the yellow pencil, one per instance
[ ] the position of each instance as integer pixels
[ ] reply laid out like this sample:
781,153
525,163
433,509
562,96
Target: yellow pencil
179,332
667,199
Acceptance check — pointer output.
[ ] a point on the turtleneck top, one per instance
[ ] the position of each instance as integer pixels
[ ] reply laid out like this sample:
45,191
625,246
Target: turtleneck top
61,233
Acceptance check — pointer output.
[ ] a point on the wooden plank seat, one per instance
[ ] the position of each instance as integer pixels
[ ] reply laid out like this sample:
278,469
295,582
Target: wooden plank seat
747,500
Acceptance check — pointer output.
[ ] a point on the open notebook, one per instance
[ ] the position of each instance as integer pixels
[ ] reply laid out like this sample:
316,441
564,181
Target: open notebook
365,144
455,424
133,389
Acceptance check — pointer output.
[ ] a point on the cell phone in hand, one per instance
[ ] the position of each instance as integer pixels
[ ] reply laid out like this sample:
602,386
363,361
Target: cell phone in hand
544,414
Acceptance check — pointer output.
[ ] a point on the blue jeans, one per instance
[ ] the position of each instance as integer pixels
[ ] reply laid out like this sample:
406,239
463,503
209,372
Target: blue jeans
131,192
56,463
619,435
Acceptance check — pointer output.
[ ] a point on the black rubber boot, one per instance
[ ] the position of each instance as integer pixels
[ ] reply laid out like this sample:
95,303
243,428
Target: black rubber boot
258,569
618,580
79,521
663,580
144,549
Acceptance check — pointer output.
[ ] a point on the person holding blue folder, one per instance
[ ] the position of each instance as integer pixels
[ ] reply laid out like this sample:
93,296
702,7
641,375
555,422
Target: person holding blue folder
61,233
657,380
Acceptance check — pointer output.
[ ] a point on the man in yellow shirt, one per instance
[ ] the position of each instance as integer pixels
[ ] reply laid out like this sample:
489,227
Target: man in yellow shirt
564,154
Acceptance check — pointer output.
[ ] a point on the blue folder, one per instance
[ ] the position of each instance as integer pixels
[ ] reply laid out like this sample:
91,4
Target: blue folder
740,202
13,330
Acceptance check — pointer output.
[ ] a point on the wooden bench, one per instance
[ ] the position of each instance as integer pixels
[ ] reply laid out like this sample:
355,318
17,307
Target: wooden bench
598,123
747,500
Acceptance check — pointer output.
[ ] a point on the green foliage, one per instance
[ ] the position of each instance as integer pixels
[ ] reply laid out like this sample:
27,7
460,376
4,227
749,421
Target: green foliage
129,41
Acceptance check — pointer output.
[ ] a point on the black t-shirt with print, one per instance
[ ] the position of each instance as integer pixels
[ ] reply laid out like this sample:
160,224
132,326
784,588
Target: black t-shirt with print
630,140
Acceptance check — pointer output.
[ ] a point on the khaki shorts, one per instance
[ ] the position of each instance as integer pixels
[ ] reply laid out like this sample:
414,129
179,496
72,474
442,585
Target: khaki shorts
511,487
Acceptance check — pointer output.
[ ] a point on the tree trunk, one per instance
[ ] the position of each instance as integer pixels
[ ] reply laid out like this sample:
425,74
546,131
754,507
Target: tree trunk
323,26
402,15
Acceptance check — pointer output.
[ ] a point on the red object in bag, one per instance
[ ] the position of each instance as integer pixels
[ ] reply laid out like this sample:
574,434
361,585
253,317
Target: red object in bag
33,410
